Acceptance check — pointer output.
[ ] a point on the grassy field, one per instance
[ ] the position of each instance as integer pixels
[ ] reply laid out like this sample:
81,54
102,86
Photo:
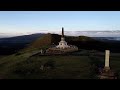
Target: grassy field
55,67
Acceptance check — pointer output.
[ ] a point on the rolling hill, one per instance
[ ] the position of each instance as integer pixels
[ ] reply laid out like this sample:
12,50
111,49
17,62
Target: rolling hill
14,44
82,42
38,41
78,65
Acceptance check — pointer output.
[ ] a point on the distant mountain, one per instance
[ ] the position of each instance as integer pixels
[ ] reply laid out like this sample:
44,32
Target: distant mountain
13,44
21,39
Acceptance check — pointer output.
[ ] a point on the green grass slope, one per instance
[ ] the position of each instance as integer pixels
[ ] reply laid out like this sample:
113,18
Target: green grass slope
82,66
43,42
65,67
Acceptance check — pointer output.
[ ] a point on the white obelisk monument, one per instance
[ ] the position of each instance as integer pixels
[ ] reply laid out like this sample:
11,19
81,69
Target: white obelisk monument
63,43
107,55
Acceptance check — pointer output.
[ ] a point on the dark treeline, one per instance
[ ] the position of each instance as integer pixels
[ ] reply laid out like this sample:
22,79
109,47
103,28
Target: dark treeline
98,45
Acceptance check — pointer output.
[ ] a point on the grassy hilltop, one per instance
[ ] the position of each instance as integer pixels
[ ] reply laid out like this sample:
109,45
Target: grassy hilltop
78,65
64,67
82,65
82,42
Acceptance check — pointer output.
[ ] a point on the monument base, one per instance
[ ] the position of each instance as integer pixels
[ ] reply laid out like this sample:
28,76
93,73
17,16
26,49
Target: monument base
107,74
106,69
55,50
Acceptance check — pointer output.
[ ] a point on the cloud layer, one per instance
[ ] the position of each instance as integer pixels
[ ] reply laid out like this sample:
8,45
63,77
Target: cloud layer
115,33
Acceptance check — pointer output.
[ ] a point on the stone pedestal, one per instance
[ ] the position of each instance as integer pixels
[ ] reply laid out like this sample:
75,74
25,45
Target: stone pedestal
107,74
106,69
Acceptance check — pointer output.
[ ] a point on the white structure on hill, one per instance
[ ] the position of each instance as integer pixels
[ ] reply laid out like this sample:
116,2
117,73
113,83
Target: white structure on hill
62,43
63,47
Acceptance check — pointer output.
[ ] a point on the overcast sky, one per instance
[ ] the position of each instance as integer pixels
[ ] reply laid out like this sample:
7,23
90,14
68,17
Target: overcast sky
40,21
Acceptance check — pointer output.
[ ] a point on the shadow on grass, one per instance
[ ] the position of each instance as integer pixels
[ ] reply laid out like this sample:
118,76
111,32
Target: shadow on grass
30,69
96,65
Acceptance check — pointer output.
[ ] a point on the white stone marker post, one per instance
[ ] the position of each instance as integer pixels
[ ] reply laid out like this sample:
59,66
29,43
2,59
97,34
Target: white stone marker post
107,54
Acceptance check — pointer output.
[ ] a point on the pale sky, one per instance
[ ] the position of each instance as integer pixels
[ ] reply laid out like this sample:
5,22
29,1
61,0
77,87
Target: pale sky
42,21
